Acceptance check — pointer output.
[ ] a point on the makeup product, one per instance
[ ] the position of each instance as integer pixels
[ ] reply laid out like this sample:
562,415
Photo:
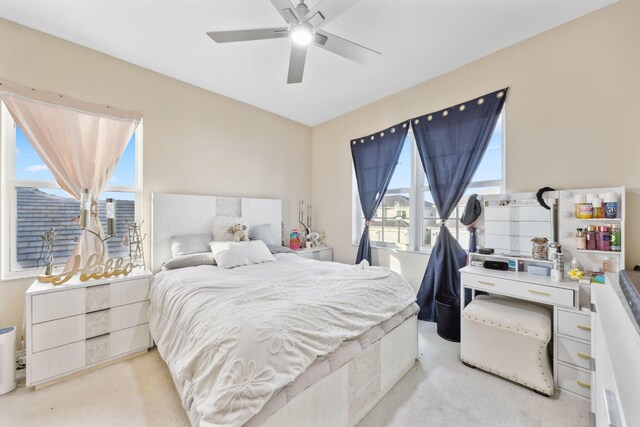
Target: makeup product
590,237
581,240
616,238
603,239
610,204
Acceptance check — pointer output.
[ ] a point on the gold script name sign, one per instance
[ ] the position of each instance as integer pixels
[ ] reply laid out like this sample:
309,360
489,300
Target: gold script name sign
92,269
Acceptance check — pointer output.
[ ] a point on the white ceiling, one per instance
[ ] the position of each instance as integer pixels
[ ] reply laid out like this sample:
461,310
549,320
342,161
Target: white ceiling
419,40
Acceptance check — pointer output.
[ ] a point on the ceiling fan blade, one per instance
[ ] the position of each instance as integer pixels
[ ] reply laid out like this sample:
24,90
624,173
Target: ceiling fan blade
247,35
347,49
286,10
330,10
316,20
296,63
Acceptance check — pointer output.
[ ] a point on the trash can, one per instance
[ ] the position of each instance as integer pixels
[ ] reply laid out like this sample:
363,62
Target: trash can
448,313
7,359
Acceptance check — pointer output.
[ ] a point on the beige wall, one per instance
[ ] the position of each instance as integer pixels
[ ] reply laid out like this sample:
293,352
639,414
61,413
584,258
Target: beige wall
194,141
572,121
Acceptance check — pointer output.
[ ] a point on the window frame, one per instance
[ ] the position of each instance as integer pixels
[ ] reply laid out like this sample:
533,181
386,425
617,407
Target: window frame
416,197
8,183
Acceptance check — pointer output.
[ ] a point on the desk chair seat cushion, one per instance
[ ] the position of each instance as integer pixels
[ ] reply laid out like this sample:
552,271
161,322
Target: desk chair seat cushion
509,338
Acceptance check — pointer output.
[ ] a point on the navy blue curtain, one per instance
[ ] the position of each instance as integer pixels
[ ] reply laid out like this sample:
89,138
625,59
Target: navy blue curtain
375,157
451,143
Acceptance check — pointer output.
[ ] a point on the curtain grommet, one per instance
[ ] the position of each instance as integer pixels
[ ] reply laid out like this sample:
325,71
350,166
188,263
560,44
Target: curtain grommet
430,117
416,121
393,130
445,113
462,107
373,137
480,101
500,94
404,125
362,141
381,134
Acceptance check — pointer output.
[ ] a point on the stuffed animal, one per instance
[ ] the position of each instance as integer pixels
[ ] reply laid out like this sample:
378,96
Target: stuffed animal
238,233
312,239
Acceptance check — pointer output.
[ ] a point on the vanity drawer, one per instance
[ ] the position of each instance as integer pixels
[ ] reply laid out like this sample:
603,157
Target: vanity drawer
574,380
574,352
56,305
129,291
574,324
56,361
529,291
129,340
59,332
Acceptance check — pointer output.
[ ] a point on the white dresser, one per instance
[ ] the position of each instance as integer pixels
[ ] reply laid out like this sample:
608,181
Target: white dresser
572,327
616,343
78,325
320,253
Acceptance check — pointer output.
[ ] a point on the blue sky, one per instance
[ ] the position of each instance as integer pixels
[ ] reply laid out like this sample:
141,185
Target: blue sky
490,168
29,166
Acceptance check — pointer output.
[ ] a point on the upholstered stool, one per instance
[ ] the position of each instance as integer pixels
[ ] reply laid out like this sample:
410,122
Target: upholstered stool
508,337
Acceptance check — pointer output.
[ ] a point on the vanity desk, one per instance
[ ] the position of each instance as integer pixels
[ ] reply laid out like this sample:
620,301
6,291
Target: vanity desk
571,326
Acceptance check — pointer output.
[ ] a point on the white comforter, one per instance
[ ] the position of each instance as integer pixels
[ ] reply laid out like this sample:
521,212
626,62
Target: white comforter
234,337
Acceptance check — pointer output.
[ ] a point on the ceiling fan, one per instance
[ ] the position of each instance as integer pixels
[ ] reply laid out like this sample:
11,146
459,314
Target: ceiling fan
304,29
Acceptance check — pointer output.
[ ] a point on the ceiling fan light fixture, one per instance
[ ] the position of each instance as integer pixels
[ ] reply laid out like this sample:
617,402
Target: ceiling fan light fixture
301,34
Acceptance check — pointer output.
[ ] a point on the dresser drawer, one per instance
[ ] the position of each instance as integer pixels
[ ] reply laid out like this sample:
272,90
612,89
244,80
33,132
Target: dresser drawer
574,352
574,324
129,315
574,380
59,332
129,340
57,361
56,305
129,291
529,291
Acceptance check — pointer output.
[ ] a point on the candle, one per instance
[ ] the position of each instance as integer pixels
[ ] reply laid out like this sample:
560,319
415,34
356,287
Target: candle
111,217
85,208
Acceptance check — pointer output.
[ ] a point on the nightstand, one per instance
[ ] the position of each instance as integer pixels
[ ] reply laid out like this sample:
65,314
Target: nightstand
320,253
79,325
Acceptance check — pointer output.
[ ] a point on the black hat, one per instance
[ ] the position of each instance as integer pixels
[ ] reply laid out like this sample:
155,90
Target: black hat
472,211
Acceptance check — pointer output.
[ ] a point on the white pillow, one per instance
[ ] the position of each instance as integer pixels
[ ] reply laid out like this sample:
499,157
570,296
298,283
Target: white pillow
221,226
190,260
237,254
262,232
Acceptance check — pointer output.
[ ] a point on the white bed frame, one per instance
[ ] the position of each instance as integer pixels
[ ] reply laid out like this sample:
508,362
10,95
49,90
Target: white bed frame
346,395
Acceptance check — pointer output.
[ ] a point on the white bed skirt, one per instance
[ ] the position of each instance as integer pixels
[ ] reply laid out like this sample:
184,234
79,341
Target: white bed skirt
345,396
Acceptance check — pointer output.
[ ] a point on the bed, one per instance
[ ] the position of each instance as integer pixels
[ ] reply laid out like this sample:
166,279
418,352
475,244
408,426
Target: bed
292,342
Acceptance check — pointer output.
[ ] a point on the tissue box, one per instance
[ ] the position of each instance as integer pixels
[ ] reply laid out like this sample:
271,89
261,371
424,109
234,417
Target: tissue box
538,270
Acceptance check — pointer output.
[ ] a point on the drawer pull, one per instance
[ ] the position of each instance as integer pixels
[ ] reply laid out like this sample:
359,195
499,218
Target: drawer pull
533,291
611,407
583,384
584,328
486,283
584,356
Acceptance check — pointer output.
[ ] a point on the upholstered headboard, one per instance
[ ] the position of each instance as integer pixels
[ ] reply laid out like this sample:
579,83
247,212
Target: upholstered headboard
176,214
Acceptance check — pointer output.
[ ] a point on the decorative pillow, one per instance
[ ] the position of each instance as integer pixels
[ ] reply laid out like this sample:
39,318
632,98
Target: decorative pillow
222,228
237,254
186,244
262,232
191,260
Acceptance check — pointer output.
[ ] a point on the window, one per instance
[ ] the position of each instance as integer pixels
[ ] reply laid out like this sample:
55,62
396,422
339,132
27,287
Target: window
32,202
407,218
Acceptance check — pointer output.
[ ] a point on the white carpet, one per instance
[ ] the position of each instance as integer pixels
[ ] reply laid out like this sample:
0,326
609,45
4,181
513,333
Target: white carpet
438,391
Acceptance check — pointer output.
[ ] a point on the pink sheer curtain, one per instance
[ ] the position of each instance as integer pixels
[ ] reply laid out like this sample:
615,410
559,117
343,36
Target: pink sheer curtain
80,144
